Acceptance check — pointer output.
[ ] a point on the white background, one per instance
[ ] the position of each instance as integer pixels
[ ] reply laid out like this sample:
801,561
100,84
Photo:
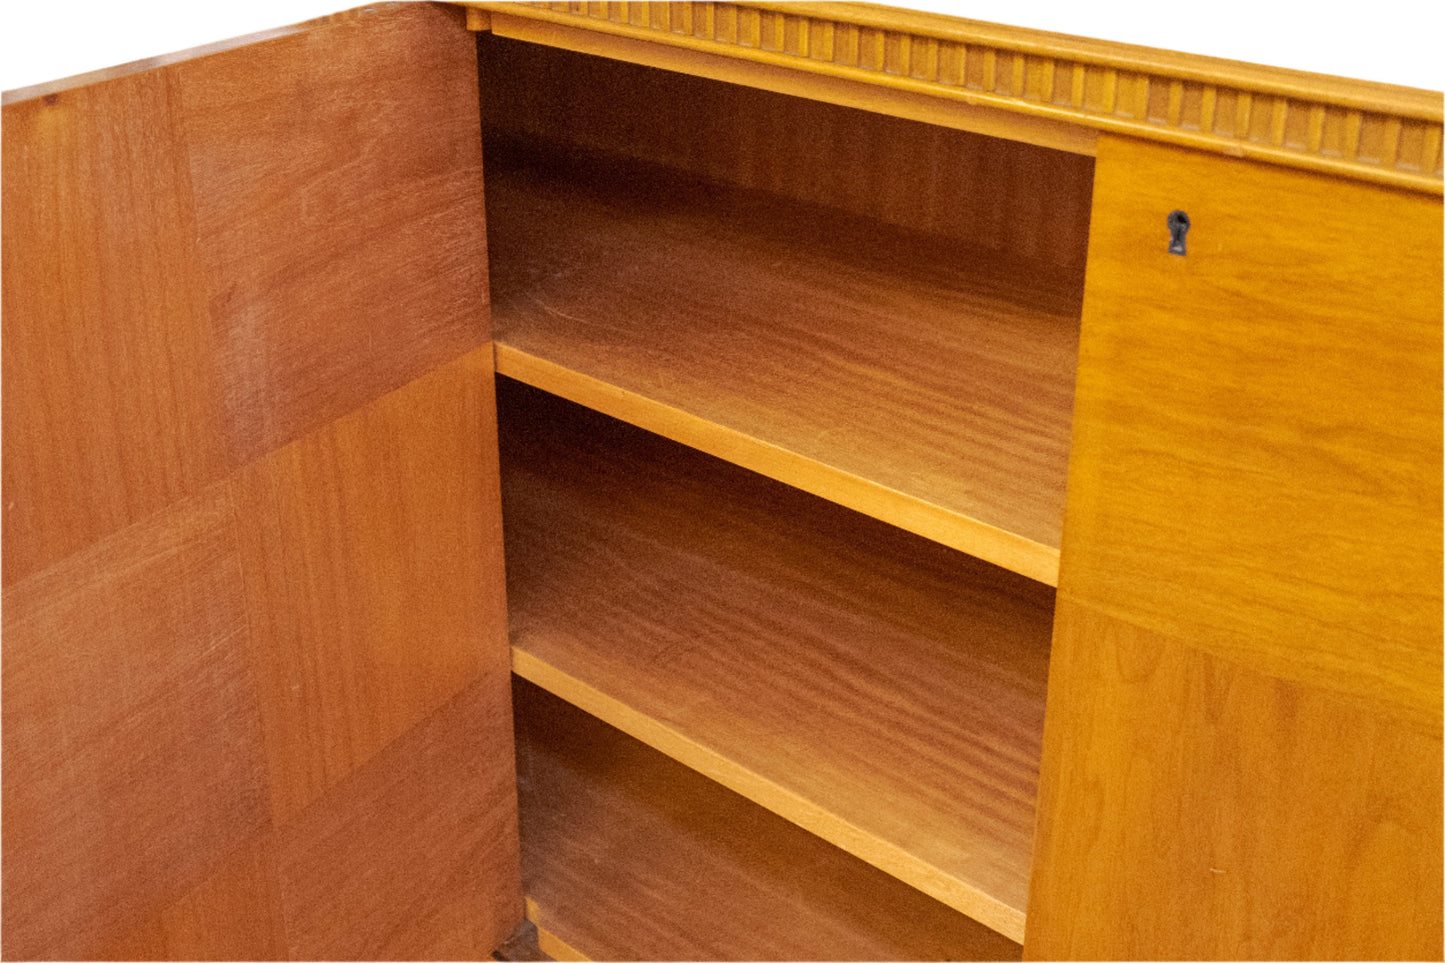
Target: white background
1395,41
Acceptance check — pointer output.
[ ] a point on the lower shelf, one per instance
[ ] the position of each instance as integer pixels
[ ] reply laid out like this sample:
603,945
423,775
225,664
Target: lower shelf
879,690
629,855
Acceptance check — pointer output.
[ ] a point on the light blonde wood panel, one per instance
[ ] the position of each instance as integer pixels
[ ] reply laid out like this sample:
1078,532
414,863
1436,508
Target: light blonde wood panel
109,394
1245,697
1374,132
1257,454
234,914
373,562
981,191
928,387
880,690
132,740
630,855
1195,808
339,213
415,856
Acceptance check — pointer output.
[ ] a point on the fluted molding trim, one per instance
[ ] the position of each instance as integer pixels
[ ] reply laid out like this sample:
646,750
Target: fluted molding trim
1375,132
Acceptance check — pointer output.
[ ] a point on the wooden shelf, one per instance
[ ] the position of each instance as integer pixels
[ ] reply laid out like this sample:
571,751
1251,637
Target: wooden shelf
908,378
628,855
880,690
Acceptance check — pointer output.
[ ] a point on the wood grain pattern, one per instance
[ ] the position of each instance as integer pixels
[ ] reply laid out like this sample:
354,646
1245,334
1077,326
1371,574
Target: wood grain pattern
415,855
372,551
1201,809
1243,753
1046,81
980,191
910,103
132,741
1257,461
943,380
109,392
252,253
339,267
880,690
636,857
234,914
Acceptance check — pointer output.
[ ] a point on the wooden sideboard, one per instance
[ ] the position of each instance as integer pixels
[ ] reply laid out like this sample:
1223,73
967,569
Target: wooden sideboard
720,481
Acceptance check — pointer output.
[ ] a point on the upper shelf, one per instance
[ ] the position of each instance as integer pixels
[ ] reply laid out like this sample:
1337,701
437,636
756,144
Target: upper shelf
923,383
1026,84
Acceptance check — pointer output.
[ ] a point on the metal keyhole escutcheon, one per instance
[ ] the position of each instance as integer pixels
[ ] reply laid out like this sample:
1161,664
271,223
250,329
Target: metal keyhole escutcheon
1178,223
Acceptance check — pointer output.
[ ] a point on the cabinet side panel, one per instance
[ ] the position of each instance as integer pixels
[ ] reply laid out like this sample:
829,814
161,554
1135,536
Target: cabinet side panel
234,914
1242,752
415,856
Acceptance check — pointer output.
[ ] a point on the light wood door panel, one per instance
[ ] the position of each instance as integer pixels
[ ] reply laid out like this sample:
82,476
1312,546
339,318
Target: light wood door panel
252,524
1242,752
1205,810
1257,452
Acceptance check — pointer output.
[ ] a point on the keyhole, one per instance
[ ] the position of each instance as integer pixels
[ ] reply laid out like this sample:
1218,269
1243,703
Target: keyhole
1178,223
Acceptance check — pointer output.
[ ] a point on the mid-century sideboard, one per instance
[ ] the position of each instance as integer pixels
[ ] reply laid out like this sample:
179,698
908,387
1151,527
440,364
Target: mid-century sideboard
719,481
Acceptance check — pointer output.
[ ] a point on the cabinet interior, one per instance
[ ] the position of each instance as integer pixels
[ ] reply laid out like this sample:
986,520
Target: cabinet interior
796,523
640,857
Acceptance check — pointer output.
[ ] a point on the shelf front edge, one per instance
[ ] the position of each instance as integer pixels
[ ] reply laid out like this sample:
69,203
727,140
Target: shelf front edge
549,942
888,857
968,535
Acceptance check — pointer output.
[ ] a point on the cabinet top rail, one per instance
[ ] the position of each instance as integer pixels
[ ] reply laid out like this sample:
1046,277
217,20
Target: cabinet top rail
1382,133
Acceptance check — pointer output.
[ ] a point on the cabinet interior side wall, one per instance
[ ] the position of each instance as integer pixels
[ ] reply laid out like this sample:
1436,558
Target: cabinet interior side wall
1003,196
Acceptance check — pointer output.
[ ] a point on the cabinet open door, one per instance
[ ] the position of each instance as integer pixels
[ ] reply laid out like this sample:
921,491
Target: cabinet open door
256,681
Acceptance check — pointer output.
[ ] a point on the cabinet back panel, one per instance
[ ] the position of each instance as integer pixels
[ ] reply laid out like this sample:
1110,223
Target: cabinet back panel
1000,195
